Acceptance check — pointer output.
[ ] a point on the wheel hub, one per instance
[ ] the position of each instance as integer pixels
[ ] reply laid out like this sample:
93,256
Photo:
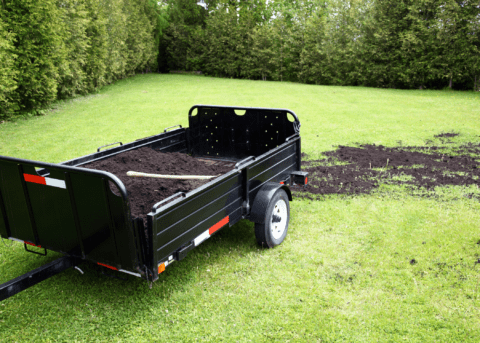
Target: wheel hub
279,219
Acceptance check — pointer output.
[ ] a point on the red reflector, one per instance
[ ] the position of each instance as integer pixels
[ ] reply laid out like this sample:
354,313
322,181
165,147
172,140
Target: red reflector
306,180
106,266
34,179
161,268
282,183
33,245
219,225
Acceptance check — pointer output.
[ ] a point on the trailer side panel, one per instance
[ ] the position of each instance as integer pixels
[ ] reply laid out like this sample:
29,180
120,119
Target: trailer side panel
184,221
275,166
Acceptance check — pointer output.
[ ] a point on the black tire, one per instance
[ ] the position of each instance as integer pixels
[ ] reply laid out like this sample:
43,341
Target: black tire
272,233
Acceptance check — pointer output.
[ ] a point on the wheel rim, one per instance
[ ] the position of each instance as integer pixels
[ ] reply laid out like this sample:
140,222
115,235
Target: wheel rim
278,219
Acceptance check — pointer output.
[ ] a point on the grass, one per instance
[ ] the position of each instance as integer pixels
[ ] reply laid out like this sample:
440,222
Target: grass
391,266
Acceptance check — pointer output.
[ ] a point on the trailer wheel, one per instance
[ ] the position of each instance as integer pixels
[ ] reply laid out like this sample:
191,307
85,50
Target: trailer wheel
274,229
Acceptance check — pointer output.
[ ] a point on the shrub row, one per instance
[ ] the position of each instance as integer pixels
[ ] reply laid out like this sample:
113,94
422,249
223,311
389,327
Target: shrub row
378,43
53,49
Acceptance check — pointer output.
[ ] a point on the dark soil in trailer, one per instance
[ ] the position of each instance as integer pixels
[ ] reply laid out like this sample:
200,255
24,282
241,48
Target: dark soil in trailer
361,169
144,192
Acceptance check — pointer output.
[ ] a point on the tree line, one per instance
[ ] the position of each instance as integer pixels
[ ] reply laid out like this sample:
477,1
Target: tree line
55,49
379,43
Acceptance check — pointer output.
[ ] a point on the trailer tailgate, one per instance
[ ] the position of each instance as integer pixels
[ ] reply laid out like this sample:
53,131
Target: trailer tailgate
76,211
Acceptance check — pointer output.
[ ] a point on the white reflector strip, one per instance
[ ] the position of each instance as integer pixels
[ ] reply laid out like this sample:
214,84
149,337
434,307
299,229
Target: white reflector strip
169,262
131,273
201,238
16,239
55,183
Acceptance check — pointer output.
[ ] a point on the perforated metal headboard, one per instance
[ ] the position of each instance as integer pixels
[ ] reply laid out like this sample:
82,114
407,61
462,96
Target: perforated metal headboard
238,132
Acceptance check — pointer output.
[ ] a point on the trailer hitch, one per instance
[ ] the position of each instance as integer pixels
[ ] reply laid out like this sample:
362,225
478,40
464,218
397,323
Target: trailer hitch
27,280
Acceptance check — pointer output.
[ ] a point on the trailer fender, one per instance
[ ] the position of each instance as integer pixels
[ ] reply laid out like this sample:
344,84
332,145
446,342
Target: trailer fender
262,199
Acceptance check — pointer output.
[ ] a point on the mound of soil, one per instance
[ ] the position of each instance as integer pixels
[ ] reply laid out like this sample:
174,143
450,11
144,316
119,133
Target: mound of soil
145,192
355,170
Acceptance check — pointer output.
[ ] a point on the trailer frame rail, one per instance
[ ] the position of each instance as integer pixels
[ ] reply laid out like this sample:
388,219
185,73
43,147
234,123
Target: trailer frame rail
27,280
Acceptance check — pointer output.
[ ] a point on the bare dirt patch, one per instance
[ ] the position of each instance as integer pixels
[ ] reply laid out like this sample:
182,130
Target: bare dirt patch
361,169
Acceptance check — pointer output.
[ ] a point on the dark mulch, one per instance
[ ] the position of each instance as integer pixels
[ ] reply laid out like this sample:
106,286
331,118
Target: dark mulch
446,135
356,170
145,192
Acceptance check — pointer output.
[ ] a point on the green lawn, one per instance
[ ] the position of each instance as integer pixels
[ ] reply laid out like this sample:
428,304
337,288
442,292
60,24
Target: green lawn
343,272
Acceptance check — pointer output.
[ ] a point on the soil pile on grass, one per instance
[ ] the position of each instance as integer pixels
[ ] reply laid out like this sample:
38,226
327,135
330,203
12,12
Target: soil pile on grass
145,192
355,170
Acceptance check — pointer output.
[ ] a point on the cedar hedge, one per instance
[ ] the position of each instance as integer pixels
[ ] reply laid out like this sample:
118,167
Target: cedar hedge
54,49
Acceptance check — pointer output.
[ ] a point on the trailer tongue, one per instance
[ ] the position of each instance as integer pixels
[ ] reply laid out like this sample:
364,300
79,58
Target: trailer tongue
85,214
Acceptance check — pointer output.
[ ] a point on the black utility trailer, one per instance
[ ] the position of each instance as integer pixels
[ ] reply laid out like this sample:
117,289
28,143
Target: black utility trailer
73,210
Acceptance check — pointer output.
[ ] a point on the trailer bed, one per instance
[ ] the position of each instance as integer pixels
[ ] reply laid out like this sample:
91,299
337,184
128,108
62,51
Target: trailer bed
143,192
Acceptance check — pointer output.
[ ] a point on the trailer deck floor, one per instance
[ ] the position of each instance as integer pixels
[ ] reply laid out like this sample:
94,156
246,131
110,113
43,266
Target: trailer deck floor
145,192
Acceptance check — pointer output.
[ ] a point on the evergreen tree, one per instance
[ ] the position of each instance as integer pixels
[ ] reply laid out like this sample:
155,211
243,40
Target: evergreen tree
185,17
74,44
458,49
341,43
8,73
139,41
381,53
224,39
262,54
158,16
420,45
37,30
313,61
97,51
